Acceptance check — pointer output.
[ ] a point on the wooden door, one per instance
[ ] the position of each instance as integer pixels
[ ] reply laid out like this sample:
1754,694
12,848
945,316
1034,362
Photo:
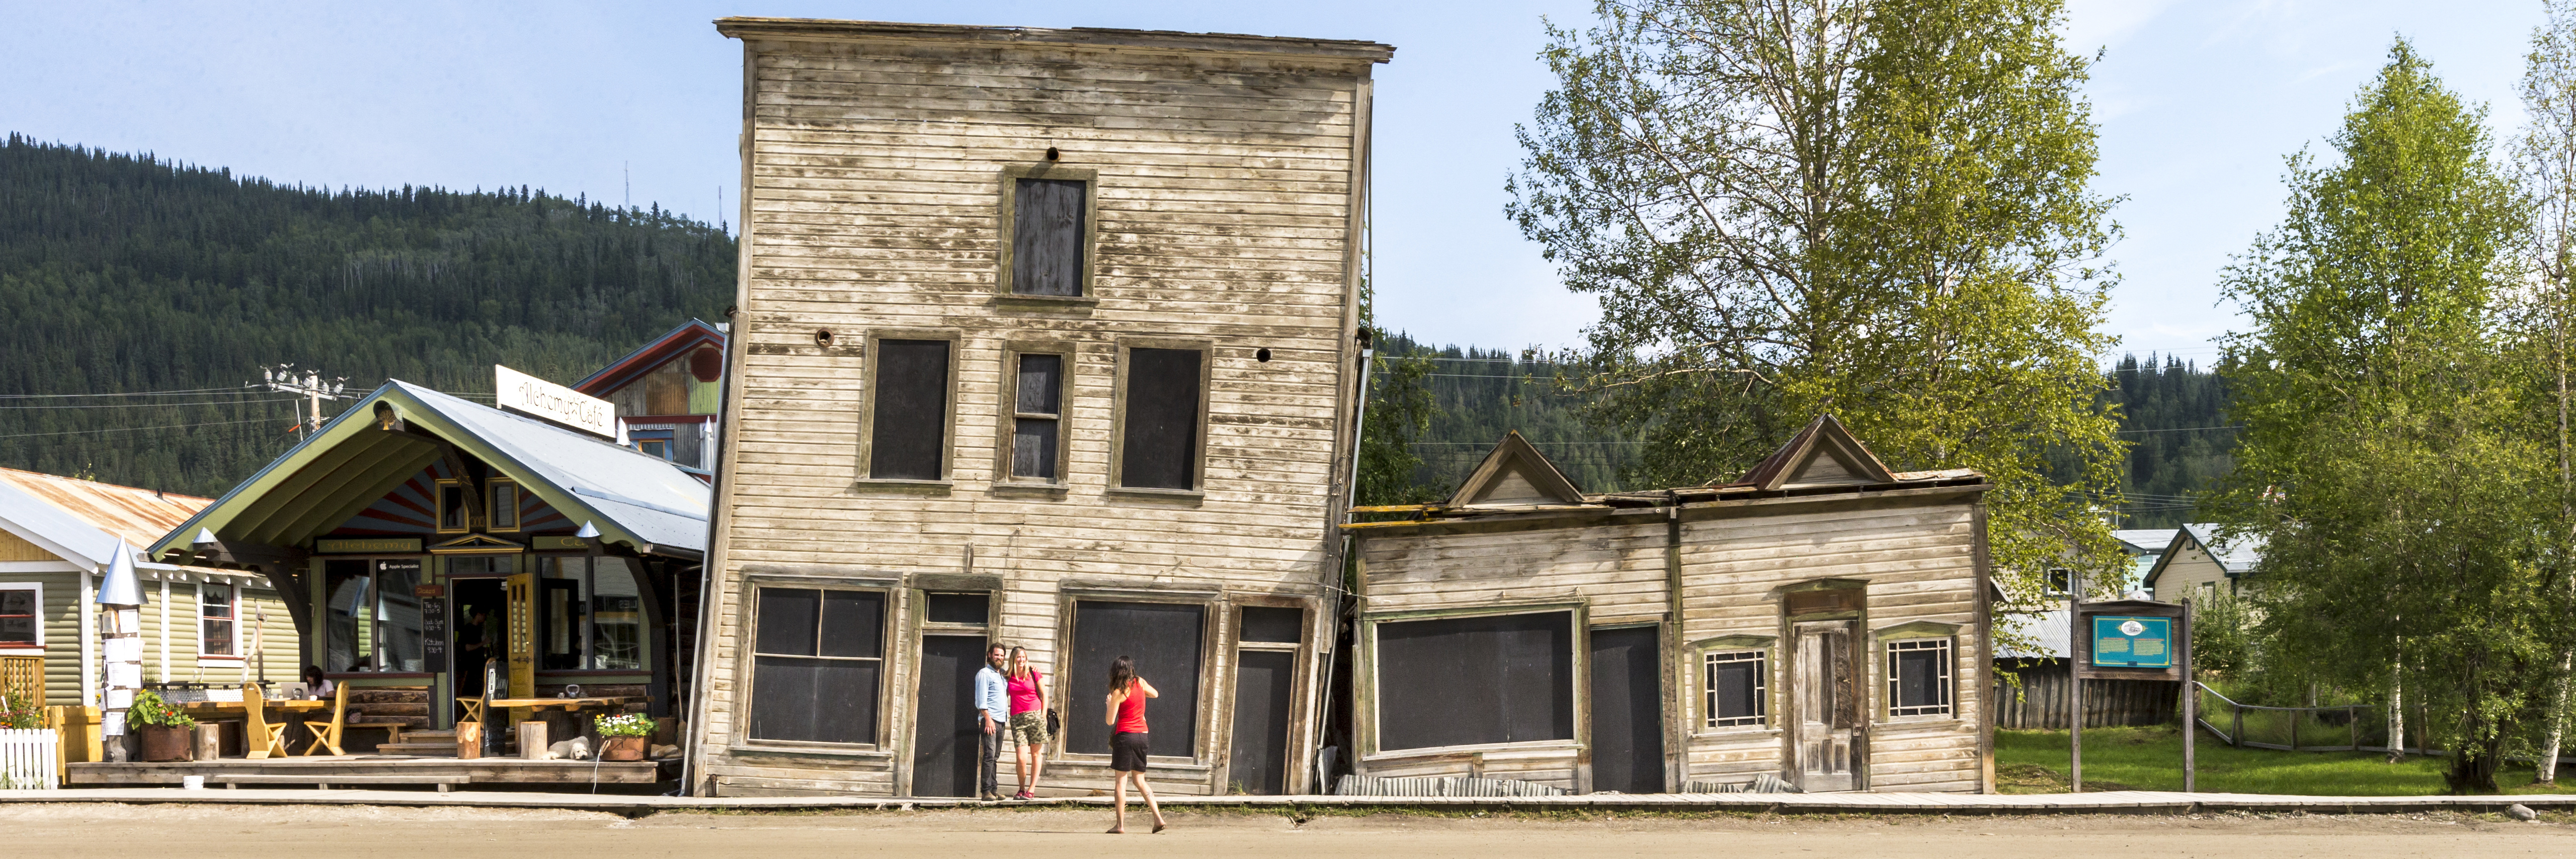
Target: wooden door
1824,692
1264,680
944,723
1627,710
521,593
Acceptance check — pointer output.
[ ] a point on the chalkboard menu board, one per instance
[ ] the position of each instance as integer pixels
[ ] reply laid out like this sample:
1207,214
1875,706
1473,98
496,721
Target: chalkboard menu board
433,627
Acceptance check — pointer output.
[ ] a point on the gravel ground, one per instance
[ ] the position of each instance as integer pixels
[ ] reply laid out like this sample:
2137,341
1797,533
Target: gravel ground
123,832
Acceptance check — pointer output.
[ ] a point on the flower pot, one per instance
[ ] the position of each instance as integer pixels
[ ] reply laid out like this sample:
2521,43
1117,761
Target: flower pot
621,748
164,743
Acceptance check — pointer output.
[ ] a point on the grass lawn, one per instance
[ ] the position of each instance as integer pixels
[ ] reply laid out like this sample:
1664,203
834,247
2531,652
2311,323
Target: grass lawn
2151,759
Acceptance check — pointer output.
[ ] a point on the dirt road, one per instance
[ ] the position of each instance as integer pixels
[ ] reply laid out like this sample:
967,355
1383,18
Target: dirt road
266,832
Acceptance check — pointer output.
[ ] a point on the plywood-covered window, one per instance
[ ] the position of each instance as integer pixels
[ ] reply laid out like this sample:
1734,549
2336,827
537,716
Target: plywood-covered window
1736,691
1037,418
1477,680
1047,222
1162,415
218,619
22,622
1165,640
818,655
1918,677
908,408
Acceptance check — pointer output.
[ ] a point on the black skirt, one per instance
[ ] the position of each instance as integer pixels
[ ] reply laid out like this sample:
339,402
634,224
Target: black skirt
1127,752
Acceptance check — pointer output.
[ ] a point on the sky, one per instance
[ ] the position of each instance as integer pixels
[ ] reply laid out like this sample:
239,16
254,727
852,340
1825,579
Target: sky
2197,103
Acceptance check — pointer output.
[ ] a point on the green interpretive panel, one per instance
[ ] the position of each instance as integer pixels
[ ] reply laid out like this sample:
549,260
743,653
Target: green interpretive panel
2133,642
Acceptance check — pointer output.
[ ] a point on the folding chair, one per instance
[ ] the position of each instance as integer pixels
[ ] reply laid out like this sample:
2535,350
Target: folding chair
259,738
328,733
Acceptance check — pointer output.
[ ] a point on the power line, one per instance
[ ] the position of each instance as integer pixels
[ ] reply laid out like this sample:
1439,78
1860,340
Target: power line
151,405
134,429
242,389
2180,429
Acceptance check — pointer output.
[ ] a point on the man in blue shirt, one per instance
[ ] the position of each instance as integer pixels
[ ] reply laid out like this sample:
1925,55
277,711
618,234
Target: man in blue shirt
993,711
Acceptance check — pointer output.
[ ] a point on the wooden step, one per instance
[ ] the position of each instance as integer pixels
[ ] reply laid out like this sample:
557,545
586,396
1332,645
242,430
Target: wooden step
426,750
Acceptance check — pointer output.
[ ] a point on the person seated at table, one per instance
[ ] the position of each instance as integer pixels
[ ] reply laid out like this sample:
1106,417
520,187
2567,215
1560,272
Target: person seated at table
315,684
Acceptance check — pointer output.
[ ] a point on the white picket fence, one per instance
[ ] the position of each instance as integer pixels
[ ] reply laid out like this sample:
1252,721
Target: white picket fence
27,759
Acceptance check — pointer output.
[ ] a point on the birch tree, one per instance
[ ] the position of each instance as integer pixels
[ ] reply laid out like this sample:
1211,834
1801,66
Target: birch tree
1873,208
2546,163
2386,461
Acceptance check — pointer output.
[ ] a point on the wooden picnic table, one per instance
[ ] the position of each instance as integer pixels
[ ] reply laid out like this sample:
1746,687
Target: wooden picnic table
236,706
568,704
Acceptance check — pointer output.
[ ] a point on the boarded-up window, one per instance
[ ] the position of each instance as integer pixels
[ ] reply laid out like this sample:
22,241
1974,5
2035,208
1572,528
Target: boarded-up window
972,609
1505,678
1046,236
1159,434
818,655
1735,683
1918,677
1163,638
1037,417
1273,624
909,436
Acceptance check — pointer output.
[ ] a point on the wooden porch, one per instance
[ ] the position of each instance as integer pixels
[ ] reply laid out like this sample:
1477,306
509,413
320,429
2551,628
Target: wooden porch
368,771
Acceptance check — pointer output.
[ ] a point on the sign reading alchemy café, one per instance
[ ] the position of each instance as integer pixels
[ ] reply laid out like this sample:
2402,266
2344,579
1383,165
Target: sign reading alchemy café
529,395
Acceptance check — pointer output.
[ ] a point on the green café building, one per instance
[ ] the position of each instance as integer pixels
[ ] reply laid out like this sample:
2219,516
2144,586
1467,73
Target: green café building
434,549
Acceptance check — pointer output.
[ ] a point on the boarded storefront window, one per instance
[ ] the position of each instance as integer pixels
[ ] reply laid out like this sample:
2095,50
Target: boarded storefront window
1503,678
1164,639
1159,435
818,655
909,434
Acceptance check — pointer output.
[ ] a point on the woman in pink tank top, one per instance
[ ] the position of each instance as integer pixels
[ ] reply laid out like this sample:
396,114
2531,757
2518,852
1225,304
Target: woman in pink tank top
1028,720
1124,713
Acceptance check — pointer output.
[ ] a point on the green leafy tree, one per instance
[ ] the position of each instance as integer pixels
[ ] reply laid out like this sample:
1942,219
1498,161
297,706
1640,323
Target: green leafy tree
1871,208
2386,461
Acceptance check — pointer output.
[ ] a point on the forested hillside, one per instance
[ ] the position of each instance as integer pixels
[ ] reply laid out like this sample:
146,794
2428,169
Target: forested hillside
2172,416
139,294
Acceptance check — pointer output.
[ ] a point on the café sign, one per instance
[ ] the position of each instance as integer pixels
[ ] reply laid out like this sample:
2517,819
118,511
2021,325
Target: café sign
535,397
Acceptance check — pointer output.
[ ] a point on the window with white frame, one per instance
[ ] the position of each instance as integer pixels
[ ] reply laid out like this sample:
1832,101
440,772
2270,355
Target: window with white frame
218,616
1919,677
1735,689
22,621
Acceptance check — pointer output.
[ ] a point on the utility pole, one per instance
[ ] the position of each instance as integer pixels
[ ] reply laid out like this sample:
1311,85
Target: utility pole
283,379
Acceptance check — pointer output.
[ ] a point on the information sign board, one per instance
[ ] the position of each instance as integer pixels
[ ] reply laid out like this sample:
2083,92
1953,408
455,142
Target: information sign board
2132,642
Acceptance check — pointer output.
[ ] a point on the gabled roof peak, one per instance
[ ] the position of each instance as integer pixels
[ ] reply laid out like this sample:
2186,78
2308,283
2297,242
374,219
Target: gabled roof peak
1515,474
1822,454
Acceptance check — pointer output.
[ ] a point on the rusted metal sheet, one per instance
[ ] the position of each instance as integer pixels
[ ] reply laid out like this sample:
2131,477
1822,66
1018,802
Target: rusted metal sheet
138,515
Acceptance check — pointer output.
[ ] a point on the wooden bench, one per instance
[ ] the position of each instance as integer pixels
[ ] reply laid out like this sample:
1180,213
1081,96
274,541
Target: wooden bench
324,782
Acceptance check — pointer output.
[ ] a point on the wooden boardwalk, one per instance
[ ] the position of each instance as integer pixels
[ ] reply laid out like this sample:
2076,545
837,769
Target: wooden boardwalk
360,769
2112,802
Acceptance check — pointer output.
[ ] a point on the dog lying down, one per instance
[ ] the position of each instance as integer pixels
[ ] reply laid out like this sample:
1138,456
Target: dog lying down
575,749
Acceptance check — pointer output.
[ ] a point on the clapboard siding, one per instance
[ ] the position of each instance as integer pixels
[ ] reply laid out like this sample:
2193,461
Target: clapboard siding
1224,185
1916,554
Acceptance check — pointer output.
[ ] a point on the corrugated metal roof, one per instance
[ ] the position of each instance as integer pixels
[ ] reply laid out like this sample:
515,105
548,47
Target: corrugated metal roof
2048,627
2152,541
2237,557
645,494
140,516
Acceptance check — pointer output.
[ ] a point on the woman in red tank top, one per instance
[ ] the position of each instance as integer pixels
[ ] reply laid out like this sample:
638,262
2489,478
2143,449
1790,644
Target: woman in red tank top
1124,713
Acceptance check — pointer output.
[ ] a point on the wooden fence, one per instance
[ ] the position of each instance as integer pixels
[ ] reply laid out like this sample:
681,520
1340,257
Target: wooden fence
2040,702
30,759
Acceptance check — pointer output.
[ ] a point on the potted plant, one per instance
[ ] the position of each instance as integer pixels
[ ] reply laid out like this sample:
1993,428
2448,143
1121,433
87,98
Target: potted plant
622,737
162,726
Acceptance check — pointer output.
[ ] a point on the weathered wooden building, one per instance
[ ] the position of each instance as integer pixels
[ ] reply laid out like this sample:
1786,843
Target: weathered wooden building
1046,338
1822,620
665,394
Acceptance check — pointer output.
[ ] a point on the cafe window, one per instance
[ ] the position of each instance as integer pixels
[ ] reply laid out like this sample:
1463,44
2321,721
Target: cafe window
1918,677
1161,405
1735,684
654,443
1037,419
591,614
22,622
818,655
505,506
218,616
372,615
908,413
454,514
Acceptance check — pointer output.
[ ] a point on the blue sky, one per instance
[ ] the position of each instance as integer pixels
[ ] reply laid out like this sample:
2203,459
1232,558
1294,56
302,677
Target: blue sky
2198,103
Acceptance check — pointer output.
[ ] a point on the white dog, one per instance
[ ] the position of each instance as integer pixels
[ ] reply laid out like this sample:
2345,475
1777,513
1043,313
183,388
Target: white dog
577,748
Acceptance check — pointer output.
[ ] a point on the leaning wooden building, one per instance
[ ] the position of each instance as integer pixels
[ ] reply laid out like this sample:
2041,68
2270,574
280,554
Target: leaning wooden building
1821,622
1046,337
